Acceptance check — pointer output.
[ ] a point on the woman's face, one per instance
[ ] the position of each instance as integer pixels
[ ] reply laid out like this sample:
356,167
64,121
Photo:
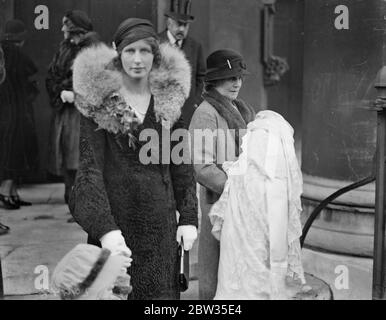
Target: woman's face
66,27
230,88
137,59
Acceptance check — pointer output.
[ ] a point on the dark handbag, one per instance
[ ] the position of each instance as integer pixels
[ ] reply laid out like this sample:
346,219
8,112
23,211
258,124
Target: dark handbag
183,259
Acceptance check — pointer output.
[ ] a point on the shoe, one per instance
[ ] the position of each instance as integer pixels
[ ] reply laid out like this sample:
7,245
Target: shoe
8,203
3,229
17,200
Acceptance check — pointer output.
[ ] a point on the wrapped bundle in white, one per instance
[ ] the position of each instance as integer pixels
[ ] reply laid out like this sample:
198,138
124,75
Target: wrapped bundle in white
257,218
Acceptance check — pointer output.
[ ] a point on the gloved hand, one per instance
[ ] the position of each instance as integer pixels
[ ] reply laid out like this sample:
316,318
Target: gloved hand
67,96
189,234
115,242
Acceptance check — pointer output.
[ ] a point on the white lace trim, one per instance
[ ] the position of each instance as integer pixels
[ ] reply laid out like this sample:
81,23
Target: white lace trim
240,219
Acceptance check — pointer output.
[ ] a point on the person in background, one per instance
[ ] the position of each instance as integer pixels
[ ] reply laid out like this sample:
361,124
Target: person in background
220,112
3,228
178,22
64,137
125,201
18,141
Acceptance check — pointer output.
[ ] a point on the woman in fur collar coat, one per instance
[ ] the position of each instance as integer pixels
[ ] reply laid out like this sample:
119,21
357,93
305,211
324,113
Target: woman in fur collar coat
121,200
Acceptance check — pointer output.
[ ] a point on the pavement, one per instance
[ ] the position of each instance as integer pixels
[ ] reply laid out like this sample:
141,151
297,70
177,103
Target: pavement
40,236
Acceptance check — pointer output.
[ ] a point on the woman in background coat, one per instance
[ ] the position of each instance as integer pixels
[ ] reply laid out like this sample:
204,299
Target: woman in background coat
64,136
18,141
219,112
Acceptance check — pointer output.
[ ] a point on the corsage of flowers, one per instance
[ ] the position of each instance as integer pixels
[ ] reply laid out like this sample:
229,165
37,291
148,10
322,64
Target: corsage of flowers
113,115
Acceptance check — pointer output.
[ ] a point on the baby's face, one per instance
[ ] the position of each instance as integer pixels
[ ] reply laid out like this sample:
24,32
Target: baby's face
119,290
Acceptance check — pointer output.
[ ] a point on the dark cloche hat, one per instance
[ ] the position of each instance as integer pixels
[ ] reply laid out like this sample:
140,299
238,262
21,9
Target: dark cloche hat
132,30
180,10
224,64
81,23
15,30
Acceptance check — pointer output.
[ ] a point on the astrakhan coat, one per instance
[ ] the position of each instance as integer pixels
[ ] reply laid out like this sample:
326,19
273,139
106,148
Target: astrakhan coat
114,189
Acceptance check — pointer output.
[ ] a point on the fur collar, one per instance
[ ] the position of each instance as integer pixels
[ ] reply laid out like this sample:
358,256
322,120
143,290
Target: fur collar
97,83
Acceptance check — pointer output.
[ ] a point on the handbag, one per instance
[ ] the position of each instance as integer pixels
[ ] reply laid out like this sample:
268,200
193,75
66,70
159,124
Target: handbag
183,276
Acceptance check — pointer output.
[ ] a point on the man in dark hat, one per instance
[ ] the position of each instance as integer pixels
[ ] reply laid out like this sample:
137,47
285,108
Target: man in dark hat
64,136
178,22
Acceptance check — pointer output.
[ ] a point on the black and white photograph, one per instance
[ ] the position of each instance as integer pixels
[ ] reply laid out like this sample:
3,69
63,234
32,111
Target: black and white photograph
207,151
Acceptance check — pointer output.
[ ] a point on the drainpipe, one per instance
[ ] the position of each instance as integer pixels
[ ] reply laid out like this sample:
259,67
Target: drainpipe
379,262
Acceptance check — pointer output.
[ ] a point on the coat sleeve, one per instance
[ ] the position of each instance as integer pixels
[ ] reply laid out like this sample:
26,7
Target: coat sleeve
208,173
30,69
200,75
184,184
56,82
89,203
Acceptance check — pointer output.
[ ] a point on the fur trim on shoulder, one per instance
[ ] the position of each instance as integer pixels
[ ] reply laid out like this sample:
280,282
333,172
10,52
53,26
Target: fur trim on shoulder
170,83
93,78
95,81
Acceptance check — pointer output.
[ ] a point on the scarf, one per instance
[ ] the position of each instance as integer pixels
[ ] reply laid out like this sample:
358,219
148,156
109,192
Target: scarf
235,120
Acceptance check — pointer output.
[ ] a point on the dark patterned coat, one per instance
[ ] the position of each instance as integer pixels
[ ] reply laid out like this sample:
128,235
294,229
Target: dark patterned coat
193,52
115,190
18,141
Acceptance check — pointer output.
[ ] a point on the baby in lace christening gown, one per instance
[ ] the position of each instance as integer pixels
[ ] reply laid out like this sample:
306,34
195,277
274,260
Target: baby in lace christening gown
257,218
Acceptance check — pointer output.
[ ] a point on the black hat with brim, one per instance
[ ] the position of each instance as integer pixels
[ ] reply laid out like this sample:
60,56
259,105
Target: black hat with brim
225,64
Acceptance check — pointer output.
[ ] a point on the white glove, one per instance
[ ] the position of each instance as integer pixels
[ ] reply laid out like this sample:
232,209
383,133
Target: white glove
115,242
189,234
67,96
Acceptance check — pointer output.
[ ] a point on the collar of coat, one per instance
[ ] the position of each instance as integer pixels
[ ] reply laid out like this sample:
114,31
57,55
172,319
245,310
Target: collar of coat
96,83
